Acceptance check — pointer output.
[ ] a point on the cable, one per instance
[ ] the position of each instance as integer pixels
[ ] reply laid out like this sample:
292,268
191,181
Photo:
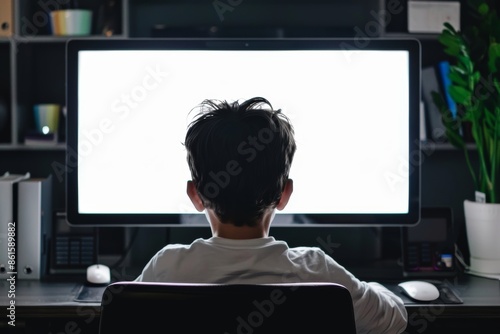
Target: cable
460,258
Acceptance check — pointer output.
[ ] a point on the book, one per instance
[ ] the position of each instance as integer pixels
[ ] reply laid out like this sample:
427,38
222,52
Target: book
8,225
423,130
430,83
428,16
37,138
6,17
34,226
444,70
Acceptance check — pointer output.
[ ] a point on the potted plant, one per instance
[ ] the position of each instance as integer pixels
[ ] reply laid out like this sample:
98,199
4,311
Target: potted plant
475,88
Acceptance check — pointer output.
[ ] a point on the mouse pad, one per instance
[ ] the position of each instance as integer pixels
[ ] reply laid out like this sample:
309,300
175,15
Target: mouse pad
90,294
447,295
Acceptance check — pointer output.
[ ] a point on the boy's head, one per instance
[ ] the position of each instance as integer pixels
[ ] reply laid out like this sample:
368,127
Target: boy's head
240,155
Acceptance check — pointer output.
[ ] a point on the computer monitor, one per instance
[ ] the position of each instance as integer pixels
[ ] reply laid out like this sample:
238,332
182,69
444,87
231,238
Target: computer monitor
354,105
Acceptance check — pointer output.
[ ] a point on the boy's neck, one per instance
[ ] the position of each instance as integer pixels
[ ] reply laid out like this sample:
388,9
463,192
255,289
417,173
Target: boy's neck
230,231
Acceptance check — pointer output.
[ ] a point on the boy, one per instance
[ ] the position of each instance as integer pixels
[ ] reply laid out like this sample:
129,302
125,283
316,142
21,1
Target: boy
240,156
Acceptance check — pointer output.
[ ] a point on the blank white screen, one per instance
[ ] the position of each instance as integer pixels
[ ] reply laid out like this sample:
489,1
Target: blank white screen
349,111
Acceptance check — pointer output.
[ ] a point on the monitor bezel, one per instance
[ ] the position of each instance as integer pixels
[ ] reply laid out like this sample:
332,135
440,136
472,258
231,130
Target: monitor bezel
73,46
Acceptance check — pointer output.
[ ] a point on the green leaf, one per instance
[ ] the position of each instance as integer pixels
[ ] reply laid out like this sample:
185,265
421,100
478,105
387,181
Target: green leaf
496,84
497,65
459,69
475,78
457,78
494,57
448,38
466,63
448,26
455,139
468,115
483,9
460,94
489,117
452,44
451,124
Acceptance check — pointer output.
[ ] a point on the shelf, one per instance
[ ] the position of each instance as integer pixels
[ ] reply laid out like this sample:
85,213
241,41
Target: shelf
419,36
430,146
33,18
62,146
32,61
60,39
23,147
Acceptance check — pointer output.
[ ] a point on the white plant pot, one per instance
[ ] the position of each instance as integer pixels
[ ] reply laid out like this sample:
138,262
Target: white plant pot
482,221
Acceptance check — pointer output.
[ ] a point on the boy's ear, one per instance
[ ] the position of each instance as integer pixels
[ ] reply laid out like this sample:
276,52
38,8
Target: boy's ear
194,197
285,195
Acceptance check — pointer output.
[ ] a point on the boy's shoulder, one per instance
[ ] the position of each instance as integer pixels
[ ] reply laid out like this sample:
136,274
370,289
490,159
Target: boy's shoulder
307,250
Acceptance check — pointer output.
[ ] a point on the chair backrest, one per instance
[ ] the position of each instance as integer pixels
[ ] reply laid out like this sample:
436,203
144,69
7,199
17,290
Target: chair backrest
137,307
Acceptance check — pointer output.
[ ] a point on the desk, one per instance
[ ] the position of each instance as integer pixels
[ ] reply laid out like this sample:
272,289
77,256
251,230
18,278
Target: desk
49,307
479,312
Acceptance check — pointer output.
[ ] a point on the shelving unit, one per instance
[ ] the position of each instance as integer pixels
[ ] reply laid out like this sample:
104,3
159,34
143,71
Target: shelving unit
34,60
5,92
32,63
32,66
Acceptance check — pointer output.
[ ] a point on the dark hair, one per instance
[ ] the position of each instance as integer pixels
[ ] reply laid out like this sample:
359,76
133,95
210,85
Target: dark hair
240,156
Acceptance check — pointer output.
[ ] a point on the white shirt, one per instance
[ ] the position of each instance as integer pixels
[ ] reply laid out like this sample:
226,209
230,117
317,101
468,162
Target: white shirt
265,260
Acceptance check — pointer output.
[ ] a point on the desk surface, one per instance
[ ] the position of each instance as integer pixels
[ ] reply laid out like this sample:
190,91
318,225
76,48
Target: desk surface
474,291
41,299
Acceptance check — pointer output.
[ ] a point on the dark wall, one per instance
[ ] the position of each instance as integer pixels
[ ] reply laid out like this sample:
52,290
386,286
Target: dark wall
445,182
445,178
316,16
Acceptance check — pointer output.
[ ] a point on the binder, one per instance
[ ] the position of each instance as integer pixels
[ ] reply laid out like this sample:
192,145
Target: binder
6,17
8,200
444,70
430,83
423,127
34,227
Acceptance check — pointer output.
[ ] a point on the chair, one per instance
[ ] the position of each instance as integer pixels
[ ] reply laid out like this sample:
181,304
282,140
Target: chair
138,307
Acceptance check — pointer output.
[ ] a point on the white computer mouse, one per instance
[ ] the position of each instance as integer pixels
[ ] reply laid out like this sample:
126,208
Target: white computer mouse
420,290
98,274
